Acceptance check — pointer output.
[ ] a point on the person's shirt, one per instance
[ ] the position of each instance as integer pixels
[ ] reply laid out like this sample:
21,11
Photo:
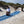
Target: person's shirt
8,9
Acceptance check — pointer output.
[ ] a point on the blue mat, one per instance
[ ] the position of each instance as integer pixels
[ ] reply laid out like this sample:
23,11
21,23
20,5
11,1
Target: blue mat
11,14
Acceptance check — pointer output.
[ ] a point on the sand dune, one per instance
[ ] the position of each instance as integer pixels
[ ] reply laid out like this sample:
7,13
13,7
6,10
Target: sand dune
2,13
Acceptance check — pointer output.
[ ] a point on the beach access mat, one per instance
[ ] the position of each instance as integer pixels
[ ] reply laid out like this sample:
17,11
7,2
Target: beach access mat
11,14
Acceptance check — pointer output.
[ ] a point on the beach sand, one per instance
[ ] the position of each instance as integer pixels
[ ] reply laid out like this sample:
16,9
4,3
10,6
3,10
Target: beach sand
17,19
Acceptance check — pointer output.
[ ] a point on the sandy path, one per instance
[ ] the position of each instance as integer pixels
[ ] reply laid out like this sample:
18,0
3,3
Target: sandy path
12,9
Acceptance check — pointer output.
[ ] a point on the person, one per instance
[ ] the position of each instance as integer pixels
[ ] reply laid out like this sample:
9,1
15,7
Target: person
8,11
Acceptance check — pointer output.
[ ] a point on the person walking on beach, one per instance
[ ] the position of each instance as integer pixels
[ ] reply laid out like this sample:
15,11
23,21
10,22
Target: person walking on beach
8,11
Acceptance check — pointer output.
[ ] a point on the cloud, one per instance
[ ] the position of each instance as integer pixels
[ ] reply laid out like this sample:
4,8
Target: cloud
15,1
20,1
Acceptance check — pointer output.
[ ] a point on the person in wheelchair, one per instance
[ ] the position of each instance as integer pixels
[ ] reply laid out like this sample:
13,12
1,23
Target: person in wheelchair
8,11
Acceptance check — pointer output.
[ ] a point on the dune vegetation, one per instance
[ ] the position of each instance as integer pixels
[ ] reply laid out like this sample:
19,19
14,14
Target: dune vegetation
11,4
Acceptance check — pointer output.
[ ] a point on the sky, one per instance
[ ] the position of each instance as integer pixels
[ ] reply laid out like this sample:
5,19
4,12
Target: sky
14,1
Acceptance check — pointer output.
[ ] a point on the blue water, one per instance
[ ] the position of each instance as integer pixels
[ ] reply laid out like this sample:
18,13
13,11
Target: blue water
11,14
